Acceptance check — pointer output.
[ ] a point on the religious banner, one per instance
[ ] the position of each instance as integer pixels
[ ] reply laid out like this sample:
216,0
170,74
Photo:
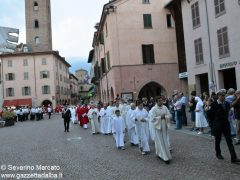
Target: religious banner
126,96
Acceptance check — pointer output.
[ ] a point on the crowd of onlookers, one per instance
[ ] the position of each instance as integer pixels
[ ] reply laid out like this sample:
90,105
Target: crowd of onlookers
24,113
199,109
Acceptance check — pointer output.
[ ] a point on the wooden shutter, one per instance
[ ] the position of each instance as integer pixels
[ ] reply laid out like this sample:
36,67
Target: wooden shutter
144,54
7,93
152,58
147,20
108,60
23,92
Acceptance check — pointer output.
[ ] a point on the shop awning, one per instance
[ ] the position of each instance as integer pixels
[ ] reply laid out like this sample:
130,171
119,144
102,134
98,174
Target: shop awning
18,102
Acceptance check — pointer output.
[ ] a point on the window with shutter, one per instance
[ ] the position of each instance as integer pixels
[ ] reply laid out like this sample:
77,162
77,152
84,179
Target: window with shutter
195,15
10,92
198,51
26,91
36,24
148,54
45,89
25,75
145,1
101,38
44,74
25,62
103,65
223,42
147,20
10,63
10,77
44,61
219,7
169,21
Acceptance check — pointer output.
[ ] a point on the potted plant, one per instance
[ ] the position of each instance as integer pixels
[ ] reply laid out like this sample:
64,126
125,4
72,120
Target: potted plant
8,117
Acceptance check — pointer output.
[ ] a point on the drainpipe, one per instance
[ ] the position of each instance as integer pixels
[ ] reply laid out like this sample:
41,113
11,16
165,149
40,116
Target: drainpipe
1,82
210,49
35,84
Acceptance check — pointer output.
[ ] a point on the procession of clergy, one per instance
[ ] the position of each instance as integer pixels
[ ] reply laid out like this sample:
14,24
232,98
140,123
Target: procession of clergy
118,118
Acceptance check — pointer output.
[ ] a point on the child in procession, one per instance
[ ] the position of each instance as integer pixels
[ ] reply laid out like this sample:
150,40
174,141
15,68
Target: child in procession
118,130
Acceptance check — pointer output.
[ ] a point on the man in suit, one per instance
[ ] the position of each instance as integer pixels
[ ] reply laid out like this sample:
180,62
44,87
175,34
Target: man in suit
219,116
66,118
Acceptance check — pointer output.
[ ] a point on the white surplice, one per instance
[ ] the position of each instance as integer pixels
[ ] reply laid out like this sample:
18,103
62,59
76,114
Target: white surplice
161,126
118,130
73,115
111,115
131,126
120,108
142,129
124,109
151,128
93,115
103,121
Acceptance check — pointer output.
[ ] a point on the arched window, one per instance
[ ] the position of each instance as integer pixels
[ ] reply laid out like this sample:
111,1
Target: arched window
36,24
37,40
35,7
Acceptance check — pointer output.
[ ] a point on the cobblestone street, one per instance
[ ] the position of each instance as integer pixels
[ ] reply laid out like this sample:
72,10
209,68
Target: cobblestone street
82,156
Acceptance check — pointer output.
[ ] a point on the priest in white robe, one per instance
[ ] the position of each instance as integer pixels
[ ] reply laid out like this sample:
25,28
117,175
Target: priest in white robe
110,115
160,118
93,115
124,110
131,125
104,119
141,120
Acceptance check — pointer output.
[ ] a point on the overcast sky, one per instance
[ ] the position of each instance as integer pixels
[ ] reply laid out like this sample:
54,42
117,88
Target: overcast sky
72,23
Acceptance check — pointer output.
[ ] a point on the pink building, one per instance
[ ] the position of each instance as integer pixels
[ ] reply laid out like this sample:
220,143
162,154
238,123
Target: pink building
135,53
34,79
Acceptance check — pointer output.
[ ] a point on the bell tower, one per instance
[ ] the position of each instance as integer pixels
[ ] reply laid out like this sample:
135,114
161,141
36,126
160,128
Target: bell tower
38,25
